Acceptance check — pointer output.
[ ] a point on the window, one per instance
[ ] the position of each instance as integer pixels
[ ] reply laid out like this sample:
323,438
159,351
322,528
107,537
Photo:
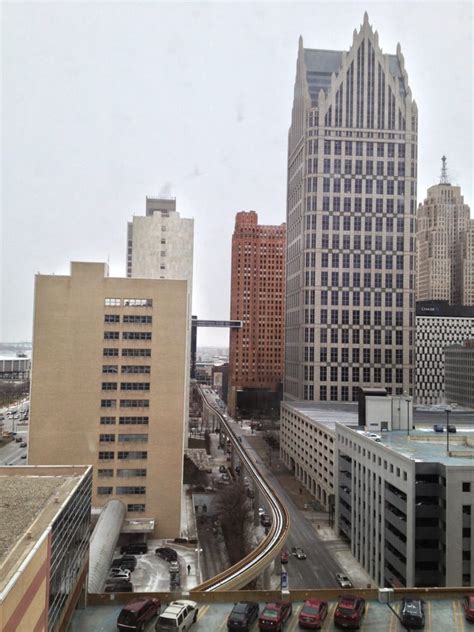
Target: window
104,473
138,438
132,455
110,352
137,319
136,335
134,403
108,403
107,421
106,456
105,491
130,491
135,386
138,508
131,421
109,386
111,335
107,438
110,368
112,302
131,473
111,318
466,487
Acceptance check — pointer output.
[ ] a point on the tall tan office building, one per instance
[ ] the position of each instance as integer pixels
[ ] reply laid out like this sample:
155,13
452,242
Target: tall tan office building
109,387
351,204
445,245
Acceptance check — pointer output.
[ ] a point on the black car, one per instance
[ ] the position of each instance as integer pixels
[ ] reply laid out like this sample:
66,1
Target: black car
167,553
118,585
134,548
242,616
126,561
412,613
451,428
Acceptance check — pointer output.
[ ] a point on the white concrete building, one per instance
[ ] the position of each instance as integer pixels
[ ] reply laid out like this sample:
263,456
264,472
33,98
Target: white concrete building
405,505
160,244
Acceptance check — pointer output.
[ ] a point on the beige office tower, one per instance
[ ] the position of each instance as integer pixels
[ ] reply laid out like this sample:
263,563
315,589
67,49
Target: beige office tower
109,388
444,242
351,203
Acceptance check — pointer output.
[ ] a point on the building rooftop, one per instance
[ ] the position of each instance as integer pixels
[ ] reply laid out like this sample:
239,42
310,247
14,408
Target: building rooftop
330,413
30,499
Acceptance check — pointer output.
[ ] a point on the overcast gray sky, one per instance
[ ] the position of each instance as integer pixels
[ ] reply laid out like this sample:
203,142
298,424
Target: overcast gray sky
106,103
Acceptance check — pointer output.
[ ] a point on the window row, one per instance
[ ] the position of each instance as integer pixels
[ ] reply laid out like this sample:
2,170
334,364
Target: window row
367,280
128,353
128,318
110,456
124,421
123,438
125,403
368,374
368,336
128,302
126,386
121,491
121,473
356,242
127,335
128,368
355,260
337,297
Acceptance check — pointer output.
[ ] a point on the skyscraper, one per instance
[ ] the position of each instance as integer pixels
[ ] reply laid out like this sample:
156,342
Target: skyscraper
444,242
352,155
257,299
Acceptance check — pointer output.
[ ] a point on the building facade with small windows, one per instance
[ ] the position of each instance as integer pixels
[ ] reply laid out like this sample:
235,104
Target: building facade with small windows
459,374
256,349
109,387
405,506
438,325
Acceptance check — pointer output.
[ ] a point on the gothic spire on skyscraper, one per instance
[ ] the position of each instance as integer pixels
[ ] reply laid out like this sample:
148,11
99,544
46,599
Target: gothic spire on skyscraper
444,172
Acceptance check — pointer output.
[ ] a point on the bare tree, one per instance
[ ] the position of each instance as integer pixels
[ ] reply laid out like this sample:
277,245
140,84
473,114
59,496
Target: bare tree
11,392
233,509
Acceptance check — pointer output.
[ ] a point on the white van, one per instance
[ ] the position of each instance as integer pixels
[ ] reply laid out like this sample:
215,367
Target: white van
178,616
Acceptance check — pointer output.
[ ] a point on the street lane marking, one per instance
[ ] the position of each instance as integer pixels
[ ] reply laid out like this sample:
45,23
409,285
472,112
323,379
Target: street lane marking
202,612
458,615
329,617
367,606
294,620
429,615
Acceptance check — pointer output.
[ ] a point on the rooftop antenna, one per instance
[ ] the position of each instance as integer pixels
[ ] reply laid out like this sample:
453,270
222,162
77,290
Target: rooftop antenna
444,172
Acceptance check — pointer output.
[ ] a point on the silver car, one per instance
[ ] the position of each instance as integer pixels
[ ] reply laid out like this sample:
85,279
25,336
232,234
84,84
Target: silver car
343,580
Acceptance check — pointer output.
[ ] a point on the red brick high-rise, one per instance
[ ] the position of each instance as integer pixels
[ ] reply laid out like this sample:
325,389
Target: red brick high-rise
258,300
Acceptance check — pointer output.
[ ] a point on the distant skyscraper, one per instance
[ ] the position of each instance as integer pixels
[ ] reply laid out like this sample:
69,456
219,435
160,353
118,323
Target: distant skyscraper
257,299
445,246
351,205
160,245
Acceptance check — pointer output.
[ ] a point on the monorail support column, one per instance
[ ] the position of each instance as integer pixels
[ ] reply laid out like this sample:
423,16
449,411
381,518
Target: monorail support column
267,577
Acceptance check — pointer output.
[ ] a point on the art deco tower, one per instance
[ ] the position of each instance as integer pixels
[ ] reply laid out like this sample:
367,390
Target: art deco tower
352,153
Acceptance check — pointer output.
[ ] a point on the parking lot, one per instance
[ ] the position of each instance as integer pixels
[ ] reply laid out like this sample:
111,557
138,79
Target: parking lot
441,616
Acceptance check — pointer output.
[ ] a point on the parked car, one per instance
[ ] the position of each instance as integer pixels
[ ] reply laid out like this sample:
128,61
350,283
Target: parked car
222,469
468,605
312,614
343,580
179,615
275,615
284,556
265,520
136,614
374,436
118,585
225,477
18,439
134,547
451,428
412,613
298,552
126,561
438,428
119,573
242,616
166,553
23,444
174,566
349,611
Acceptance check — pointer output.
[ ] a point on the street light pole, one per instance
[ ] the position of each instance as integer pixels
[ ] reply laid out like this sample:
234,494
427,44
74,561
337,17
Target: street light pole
448,409
408,416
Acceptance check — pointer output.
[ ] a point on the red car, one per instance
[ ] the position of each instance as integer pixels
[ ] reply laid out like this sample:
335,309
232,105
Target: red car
468,605
136,614
275,615
284,557
349,611
312,614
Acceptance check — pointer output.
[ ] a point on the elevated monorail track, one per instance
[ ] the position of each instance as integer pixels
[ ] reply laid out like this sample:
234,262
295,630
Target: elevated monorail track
251,566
